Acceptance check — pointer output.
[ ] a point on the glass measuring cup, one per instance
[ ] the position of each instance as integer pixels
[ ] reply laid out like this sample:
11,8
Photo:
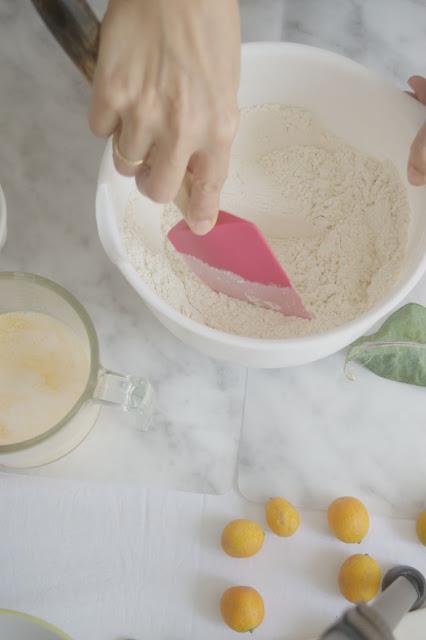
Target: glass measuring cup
28,292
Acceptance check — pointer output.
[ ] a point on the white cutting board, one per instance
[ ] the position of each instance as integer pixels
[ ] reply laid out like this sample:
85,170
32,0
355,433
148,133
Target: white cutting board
311,435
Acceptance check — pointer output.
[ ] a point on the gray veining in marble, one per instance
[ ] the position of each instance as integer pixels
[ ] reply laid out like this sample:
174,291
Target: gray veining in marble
48,170
386,36
48,167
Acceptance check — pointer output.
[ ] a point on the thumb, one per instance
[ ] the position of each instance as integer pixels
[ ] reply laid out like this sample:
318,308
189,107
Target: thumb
209,173
418,85
417,161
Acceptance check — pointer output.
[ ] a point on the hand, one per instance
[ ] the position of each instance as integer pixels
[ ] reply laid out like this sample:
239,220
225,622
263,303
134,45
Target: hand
166,82
417,159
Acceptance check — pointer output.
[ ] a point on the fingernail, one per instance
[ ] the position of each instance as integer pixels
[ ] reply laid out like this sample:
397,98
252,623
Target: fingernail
415,176
201,227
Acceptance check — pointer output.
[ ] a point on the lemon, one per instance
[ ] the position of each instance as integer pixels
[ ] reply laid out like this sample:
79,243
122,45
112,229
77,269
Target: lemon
348,519
242,538
359,578
421,527
282,518
242,609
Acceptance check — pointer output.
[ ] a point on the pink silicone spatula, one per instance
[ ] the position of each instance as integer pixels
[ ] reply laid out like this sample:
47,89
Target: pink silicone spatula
234,258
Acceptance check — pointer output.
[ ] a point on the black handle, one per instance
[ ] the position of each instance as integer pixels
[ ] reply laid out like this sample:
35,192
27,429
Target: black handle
76,28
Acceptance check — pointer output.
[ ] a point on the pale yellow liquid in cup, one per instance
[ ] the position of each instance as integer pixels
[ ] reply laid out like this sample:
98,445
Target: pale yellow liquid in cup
44,368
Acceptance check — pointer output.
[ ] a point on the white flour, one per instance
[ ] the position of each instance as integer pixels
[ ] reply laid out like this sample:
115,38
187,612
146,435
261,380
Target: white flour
336,218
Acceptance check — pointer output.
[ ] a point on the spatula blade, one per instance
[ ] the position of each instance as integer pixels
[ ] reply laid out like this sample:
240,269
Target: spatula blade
235,258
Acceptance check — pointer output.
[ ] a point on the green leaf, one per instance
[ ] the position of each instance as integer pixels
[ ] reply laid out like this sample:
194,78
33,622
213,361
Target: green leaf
397,351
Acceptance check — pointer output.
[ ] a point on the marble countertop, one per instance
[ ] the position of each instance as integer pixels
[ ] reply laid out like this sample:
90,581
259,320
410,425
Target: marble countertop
48,169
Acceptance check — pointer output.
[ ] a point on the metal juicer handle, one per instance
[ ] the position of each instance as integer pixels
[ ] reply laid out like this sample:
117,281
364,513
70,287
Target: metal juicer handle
76,28
404,589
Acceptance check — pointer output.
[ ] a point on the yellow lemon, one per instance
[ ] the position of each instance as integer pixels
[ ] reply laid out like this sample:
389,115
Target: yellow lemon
348,519
242,538
421,527
282,518
359,578
242,608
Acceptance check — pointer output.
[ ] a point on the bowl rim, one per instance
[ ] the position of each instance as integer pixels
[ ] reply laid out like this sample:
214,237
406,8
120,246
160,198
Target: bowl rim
340,333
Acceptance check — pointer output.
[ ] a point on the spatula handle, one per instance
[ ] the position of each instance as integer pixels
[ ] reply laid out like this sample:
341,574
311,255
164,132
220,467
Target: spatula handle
76,28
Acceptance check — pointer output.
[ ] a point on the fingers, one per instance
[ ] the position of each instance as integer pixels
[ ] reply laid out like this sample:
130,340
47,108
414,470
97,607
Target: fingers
103,119
417,161
134,140
209,171
161,178
103,113
209,168
418,85
103,122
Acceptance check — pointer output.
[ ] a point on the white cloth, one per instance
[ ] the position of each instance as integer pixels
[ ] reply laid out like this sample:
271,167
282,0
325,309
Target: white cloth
106,563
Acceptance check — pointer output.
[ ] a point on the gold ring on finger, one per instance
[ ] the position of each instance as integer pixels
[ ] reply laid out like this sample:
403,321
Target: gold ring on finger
132,164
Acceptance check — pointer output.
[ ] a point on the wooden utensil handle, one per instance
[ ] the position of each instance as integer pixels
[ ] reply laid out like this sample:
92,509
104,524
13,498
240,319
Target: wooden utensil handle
76,28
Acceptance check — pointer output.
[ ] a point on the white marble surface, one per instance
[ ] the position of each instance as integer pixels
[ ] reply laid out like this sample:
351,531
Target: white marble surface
49,162
72,552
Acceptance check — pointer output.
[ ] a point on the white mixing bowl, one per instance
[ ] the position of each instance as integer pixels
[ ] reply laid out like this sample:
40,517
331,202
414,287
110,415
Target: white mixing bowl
353,103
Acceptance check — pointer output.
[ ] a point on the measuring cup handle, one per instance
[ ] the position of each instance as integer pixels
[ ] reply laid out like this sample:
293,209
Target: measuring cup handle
128,393
76,28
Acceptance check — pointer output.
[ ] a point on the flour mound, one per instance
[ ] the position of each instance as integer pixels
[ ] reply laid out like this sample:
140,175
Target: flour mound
339,227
